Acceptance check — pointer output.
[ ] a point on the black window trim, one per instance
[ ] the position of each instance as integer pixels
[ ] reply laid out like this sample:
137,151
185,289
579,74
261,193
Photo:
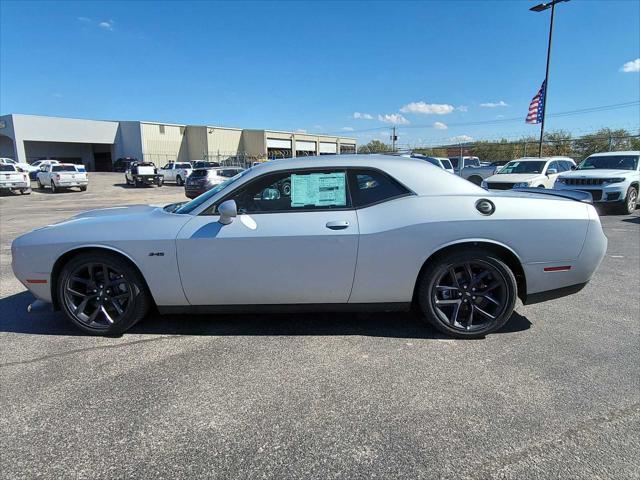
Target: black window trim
212,209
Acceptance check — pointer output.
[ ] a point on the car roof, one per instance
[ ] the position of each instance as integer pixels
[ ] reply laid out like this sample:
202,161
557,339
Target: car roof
540,159
608,154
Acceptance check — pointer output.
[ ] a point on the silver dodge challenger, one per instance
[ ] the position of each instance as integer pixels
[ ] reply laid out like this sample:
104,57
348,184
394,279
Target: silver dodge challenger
345,232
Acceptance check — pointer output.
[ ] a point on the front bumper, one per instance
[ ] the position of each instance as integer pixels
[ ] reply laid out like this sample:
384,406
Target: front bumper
601,193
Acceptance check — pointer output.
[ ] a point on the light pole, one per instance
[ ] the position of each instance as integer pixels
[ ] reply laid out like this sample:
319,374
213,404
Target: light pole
540,8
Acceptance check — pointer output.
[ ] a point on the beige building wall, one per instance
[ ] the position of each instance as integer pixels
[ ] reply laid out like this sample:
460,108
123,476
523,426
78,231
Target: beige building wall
253,143
164,141
224,141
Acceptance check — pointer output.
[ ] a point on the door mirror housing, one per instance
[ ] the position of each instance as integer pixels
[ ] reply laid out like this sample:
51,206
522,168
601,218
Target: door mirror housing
574,167
552,171
228,211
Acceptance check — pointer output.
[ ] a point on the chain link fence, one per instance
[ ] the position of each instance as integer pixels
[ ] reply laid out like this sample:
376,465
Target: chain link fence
555,144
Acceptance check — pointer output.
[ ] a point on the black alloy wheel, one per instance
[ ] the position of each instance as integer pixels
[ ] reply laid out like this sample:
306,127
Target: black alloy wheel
102,294
468,295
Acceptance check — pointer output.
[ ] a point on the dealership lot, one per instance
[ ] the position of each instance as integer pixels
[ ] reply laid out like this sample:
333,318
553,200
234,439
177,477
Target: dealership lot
555,394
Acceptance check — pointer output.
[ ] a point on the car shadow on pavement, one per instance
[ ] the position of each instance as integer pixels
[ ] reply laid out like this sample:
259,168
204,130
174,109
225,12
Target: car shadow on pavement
632,219
15,319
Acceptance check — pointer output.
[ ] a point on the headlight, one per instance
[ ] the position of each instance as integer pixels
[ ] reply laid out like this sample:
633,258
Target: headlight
521,185
560,180
609,181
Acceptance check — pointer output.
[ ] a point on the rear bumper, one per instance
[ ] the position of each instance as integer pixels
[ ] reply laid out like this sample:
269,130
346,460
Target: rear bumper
79,183
193,192
14,185
553,294
148,179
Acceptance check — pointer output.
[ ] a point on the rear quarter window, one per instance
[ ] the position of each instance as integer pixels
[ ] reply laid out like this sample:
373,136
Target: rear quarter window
369,187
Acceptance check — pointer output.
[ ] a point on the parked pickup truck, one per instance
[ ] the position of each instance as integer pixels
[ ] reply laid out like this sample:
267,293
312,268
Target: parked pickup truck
176,172
143,173
62,175
477,174
11,178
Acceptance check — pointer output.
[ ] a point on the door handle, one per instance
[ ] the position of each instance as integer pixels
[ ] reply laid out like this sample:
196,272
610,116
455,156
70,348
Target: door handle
338,225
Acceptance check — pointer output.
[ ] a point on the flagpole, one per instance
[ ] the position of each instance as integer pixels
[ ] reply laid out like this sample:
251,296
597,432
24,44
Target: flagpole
546,81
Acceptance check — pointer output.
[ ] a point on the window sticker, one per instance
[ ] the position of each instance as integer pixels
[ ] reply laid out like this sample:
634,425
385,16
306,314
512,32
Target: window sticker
319,190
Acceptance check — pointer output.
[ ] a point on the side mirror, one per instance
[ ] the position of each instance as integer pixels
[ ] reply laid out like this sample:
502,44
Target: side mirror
573,167
552,171
228,211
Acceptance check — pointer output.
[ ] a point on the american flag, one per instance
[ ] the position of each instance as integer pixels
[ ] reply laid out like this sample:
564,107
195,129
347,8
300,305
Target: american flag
536,108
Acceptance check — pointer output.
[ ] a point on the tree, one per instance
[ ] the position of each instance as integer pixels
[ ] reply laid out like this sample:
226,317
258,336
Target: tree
374,146
604,140
557,143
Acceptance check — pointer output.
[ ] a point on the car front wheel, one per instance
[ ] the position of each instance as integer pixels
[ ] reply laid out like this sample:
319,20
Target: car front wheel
628,206
468,294
179,181
101,293
54,189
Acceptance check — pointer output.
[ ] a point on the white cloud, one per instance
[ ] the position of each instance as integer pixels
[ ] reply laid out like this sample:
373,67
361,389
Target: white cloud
348,129
461,138
440,126
394,118
462,108
84,19
363,116
427,108
107,24
501,103
632,66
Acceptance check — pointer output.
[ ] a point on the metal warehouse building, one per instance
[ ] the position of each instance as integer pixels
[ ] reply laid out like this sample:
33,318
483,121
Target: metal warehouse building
97,143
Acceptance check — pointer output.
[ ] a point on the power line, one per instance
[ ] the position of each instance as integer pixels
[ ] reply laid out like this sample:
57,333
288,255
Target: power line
498,121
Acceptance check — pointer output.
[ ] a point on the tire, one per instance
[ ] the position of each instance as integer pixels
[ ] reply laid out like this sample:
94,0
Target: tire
25,191
38,184
160,182
53,188
449,308
83,189
81,285
179,181
540,186
126,179
476,180
628,206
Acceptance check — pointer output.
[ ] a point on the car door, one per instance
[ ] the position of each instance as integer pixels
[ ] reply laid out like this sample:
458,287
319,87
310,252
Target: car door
280,249
167,172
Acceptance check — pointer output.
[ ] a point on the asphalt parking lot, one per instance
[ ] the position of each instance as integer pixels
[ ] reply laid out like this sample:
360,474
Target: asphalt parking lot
555,394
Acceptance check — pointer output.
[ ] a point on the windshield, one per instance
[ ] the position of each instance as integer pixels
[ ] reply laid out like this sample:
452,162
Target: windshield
196,202
610,162
522,167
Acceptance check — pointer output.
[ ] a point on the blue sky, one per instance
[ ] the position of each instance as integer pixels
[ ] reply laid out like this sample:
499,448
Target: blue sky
315,66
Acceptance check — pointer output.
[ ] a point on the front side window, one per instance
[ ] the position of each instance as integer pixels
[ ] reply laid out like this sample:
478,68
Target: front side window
372,186
472,162
294,191
446,164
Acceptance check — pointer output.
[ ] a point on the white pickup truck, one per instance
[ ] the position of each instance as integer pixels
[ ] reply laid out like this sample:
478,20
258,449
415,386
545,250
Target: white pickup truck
176,172
62,175
13,179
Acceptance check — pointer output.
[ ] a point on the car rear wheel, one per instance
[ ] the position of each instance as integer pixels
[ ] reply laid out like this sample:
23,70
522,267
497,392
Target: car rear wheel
102,294
38,184
630,202
179,181
25,191
468,294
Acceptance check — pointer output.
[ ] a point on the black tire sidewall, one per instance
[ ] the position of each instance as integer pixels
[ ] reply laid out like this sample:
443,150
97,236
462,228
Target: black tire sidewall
140,299
427,282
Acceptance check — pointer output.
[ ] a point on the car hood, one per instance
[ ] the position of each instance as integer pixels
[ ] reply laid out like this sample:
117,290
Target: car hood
513,177
596,173
117,211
